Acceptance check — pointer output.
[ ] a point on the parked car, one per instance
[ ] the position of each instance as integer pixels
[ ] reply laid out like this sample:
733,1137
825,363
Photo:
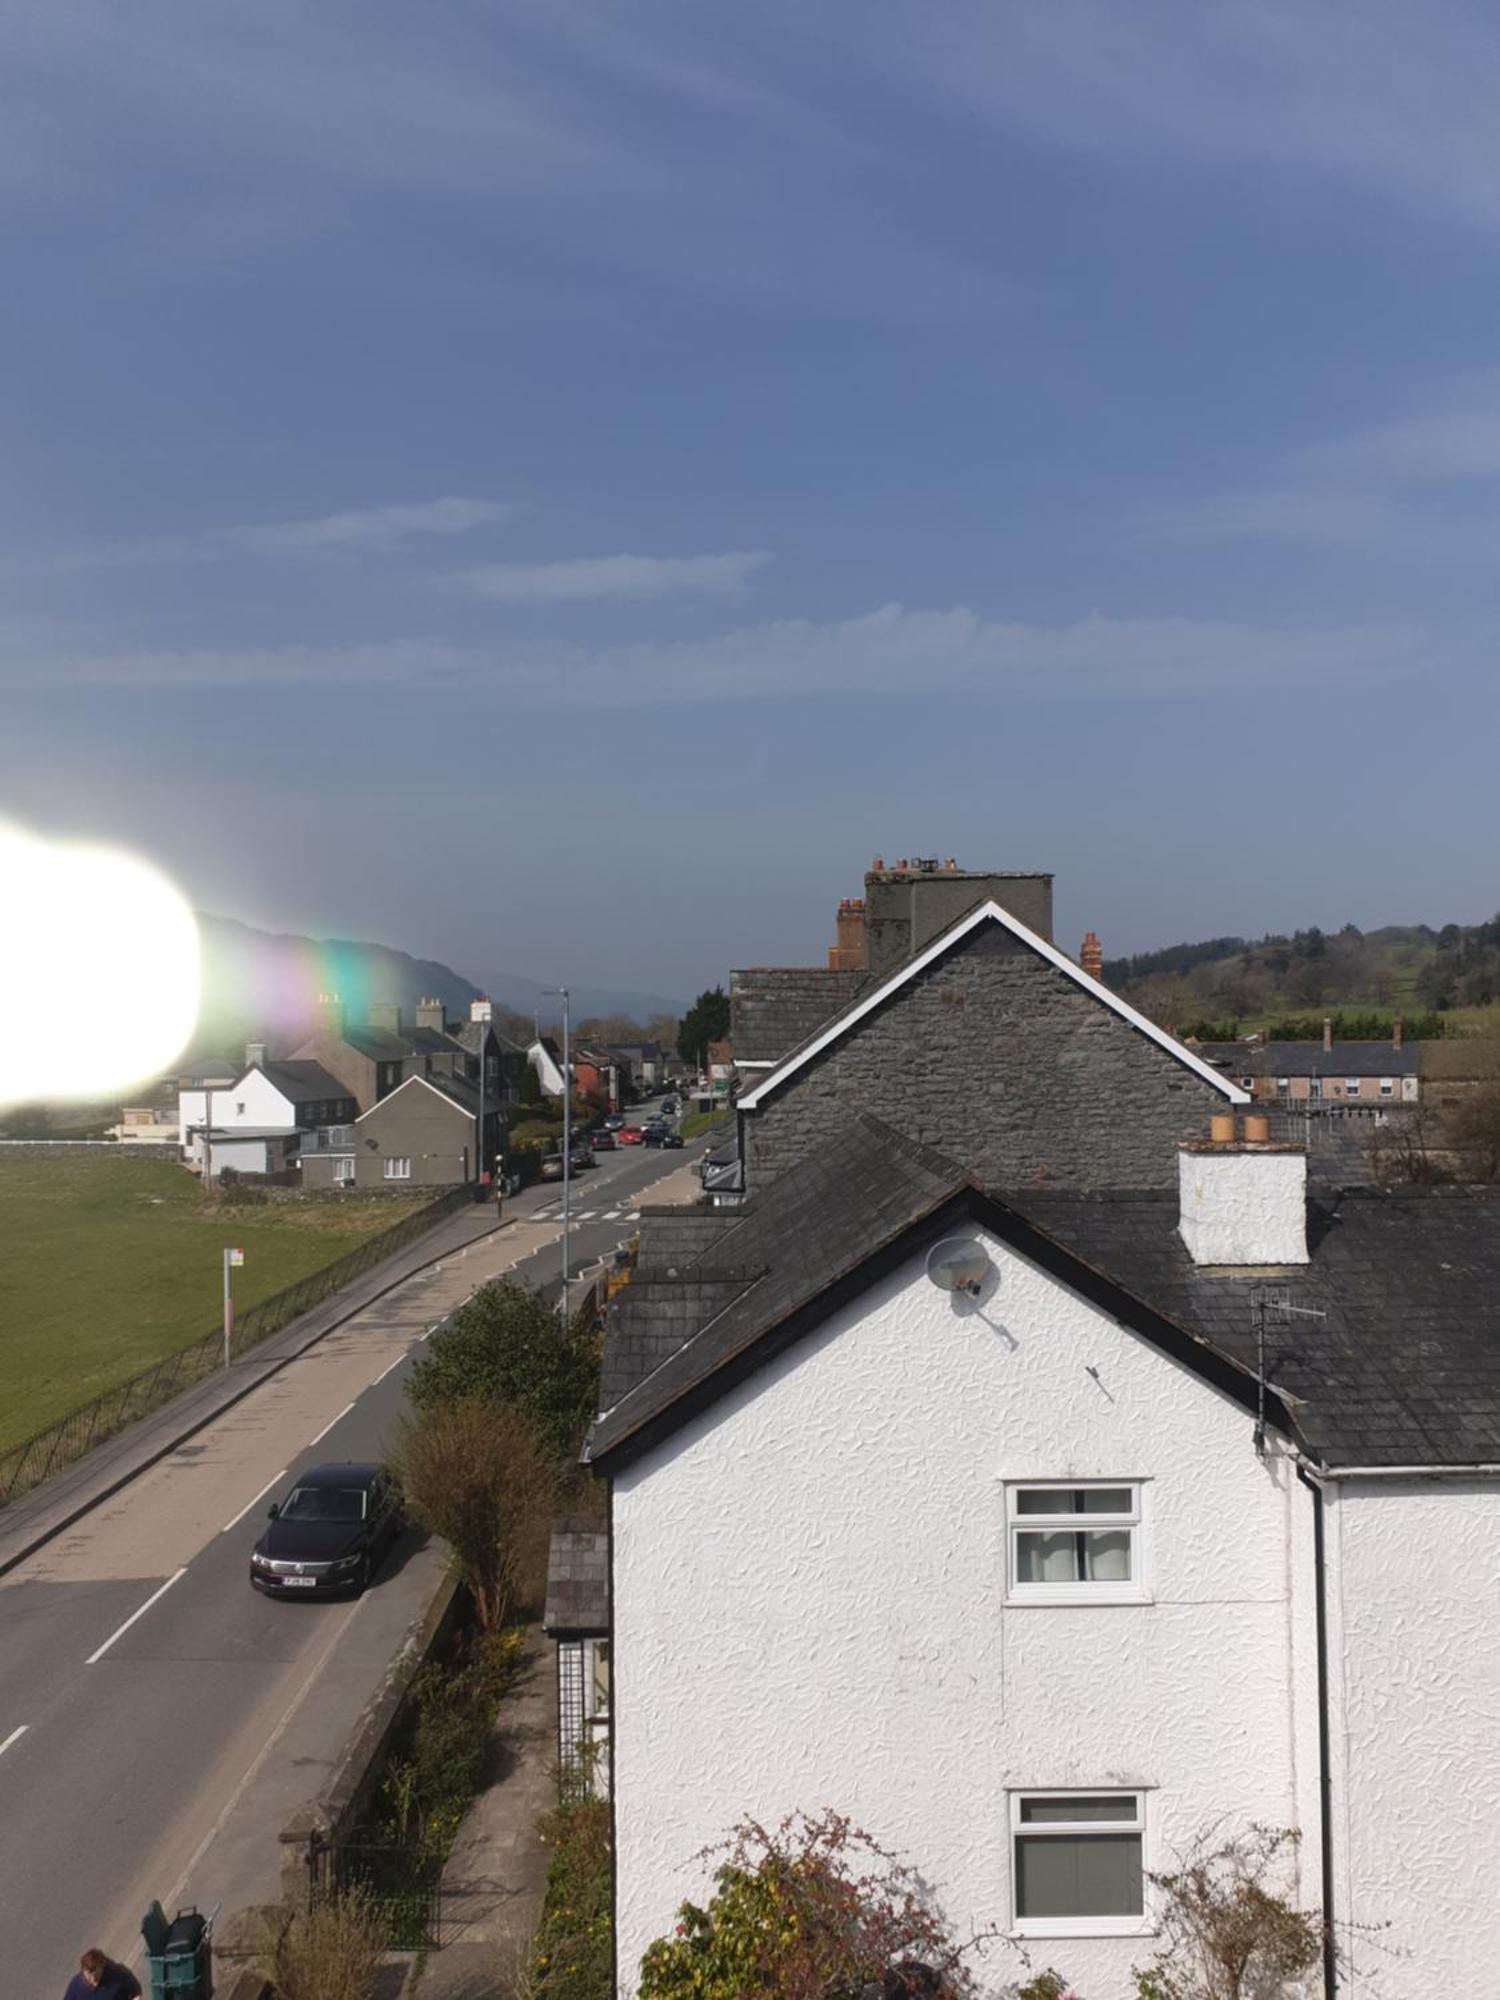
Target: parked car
671,1141
602,1141
329,1533
630,1135
669,1108
551,1167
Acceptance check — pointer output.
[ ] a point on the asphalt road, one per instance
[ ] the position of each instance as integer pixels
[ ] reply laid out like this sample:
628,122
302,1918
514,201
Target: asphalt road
150,1702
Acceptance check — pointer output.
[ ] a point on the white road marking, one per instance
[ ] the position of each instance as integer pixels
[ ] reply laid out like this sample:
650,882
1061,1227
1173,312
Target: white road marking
634,1215
14,1737
250,1503
588,1215
329,1426
386,1371
612,1214
160,1592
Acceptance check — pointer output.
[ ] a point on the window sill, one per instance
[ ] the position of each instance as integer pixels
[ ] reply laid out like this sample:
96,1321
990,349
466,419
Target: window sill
1075,1594
1082,1927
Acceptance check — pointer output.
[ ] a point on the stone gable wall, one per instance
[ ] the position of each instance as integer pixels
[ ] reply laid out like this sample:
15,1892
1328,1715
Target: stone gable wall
1000,1061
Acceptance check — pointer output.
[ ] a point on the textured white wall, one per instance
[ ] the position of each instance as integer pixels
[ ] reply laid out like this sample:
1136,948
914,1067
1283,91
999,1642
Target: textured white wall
1243,1208
1416,1600
809,1606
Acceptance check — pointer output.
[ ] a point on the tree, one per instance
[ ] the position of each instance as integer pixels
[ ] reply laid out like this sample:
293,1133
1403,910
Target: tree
475,1472
813,1910
531,1086
1227,1933
707,1020
507,1343
664,1029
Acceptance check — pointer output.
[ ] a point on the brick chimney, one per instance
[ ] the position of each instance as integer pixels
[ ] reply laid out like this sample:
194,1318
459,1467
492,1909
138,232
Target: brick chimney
331,1014
385,1014
255,1054
1396,1032
1091,956
1327,1034
430,1015
848,954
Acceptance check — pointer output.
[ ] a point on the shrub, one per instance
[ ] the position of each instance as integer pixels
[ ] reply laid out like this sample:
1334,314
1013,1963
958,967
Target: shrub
571,1953
508,1343
331,1952
1227,1934
815,1908
475,1471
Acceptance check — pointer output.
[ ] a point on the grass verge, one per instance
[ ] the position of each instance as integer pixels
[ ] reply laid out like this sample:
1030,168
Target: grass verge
107,1264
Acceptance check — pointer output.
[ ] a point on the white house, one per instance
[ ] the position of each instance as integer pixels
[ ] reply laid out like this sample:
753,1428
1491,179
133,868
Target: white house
1184,1519
543,1058
257,1117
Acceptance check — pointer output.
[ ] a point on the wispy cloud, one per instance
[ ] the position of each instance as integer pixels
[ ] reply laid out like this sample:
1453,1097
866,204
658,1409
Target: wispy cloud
1424,485
892,652
1395,98
377,528
585,577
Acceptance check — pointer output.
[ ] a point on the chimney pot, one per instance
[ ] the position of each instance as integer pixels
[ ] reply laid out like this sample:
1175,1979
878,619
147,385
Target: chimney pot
1327,1032
1221,1128
1091,956
1257,1128
1396,1032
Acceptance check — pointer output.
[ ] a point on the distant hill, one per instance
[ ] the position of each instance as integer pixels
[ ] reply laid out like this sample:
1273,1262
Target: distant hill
1400,968
267,983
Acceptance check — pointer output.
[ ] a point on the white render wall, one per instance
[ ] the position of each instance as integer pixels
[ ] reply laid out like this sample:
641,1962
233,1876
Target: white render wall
1415,1634
809,1586
1238,1206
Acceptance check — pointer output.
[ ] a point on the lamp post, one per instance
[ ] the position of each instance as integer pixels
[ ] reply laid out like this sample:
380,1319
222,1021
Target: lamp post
567,1146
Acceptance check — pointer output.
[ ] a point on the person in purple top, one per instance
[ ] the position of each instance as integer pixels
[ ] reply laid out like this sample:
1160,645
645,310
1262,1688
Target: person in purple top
97,1974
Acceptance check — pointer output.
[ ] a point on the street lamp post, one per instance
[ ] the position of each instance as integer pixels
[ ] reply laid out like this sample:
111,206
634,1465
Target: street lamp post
567,1146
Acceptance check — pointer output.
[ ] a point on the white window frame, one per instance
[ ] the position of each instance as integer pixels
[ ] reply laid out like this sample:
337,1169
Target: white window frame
1079,1927
1388,1086
396,1168
1136,1590
1351,1086
343,1170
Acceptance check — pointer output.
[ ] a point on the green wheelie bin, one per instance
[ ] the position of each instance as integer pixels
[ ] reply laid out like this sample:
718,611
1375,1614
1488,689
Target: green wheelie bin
179,1954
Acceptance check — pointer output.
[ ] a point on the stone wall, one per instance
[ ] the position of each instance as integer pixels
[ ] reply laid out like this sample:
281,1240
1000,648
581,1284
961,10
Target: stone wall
1002,1062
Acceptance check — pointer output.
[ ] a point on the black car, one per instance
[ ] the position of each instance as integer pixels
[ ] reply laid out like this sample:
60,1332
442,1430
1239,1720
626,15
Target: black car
670,1141
602,1141
329,1533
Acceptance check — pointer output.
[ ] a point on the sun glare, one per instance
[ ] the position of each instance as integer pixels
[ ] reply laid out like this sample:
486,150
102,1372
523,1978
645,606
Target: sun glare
98,970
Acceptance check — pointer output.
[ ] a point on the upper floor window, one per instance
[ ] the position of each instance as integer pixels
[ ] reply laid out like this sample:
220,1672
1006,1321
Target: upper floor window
1078,1865
1075,1544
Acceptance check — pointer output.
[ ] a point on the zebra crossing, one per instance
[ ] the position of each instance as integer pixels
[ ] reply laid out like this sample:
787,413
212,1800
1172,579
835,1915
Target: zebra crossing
590,1215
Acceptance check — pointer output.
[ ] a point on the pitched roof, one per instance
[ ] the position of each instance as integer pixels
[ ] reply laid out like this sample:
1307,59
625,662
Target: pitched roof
775,1008
875,995
303,1082
1398,1364
577,1581
393,1045
457,1090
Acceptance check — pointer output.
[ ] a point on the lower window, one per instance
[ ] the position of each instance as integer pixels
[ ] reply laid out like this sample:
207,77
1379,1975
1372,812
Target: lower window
1078,1861
398,1170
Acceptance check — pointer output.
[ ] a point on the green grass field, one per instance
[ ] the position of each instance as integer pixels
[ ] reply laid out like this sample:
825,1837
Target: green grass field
107,1264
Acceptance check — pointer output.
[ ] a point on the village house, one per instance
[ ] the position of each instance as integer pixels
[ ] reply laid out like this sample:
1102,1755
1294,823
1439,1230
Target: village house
1039,1466
258,1123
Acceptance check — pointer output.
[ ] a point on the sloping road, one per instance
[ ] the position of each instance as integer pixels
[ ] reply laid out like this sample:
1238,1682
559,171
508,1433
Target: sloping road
149,1699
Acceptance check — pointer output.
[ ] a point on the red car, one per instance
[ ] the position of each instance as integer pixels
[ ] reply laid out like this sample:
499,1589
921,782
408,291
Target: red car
630,1135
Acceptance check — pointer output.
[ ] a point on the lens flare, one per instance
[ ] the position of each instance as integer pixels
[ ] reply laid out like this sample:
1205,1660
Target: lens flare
99,970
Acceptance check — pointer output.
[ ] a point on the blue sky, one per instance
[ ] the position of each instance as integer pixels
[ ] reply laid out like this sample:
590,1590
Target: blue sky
560,487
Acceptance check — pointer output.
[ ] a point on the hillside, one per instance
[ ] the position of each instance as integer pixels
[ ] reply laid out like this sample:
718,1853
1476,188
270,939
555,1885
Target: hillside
267,983
1398,969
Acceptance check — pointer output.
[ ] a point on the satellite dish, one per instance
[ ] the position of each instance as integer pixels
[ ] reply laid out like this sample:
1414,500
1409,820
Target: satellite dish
958,1264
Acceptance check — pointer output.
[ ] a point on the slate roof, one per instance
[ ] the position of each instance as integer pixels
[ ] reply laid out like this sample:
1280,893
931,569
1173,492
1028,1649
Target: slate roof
815,1224
775,1008
304,1082
1403,1367
1312,1059
577,1581
389,1045
463,1093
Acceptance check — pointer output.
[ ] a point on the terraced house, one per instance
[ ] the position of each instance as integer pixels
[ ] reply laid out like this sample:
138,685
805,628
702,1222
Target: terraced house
1042,1468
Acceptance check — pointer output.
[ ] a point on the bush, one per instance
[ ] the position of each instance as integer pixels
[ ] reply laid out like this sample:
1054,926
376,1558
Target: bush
814,1908
331,1952
508,1343
571,1953
475,1471
1226,1931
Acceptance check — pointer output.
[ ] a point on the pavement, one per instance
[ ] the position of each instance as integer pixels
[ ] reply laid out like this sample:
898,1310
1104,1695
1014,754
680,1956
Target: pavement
496,1875
158,1719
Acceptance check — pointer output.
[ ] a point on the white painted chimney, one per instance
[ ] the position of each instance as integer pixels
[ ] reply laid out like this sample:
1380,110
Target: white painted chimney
1244,1203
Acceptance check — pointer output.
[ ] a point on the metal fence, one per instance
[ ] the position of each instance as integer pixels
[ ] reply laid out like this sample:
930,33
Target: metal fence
404,1884
64,1442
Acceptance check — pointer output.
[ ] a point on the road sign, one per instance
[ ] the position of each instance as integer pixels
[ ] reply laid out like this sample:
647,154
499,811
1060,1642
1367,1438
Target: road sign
236,1256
